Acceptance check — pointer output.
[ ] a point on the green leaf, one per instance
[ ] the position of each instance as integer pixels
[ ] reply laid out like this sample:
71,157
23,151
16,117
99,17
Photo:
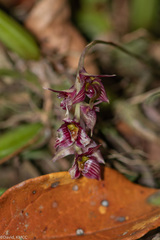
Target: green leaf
154,199
2,190
15,140
17,38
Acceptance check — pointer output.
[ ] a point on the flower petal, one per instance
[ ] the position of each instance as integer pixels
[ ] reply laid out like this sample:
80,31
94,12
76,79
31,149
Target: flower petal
61,153
64,138
97,154
89,116
68,96
74,171
80,96
92,150
103,96
92,169
82,139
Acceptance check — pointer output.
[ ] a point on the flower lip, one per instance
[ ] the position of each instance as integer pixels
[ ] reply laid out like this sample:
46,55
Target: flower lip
82,158
73,131
81,161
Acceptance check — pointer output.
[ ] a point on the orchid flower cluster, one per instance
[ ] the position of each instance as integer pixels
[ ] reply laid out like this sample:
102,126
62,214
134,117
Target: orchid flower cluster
74,135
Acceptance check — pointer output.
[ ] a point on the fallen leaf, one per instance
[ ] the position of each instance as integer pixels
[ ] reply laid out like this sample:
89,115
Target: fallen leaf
56,207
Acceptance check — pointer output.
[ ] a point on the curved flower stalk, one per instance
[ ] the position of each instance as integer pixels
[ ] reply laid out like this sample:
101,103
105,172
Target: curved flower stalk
73,135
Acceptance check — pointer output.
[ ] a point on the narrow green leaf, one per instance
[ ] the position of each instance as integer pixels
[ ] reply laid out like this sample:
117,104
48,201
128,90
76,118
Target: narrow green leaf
18,138
17,38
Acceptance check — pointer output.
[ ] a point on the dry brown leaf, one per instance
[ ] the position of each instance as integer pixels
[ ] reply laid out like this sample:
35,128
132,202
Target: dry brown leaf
56,207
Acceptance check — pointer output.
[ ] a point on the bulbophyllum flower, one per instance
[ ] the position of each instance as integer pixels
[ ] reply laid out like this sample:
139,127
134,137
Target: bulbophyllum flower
67,95
92,87
87,165
69,133
89,116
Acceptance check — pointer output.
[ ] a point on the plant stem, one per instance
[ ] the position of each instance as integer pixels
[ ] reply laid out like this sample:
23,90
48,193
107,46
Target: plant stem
137,57
77,112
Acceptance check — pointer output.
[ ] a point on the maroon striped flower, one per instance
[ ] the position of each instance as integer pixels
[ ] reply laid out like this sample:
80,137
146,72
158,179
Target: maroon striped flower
67,95
87,165
89,116
71,132
92,87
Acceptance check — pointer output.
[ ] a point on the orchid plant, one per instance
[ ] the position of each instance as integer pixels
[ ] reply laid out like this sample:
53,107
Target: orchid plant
74,135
